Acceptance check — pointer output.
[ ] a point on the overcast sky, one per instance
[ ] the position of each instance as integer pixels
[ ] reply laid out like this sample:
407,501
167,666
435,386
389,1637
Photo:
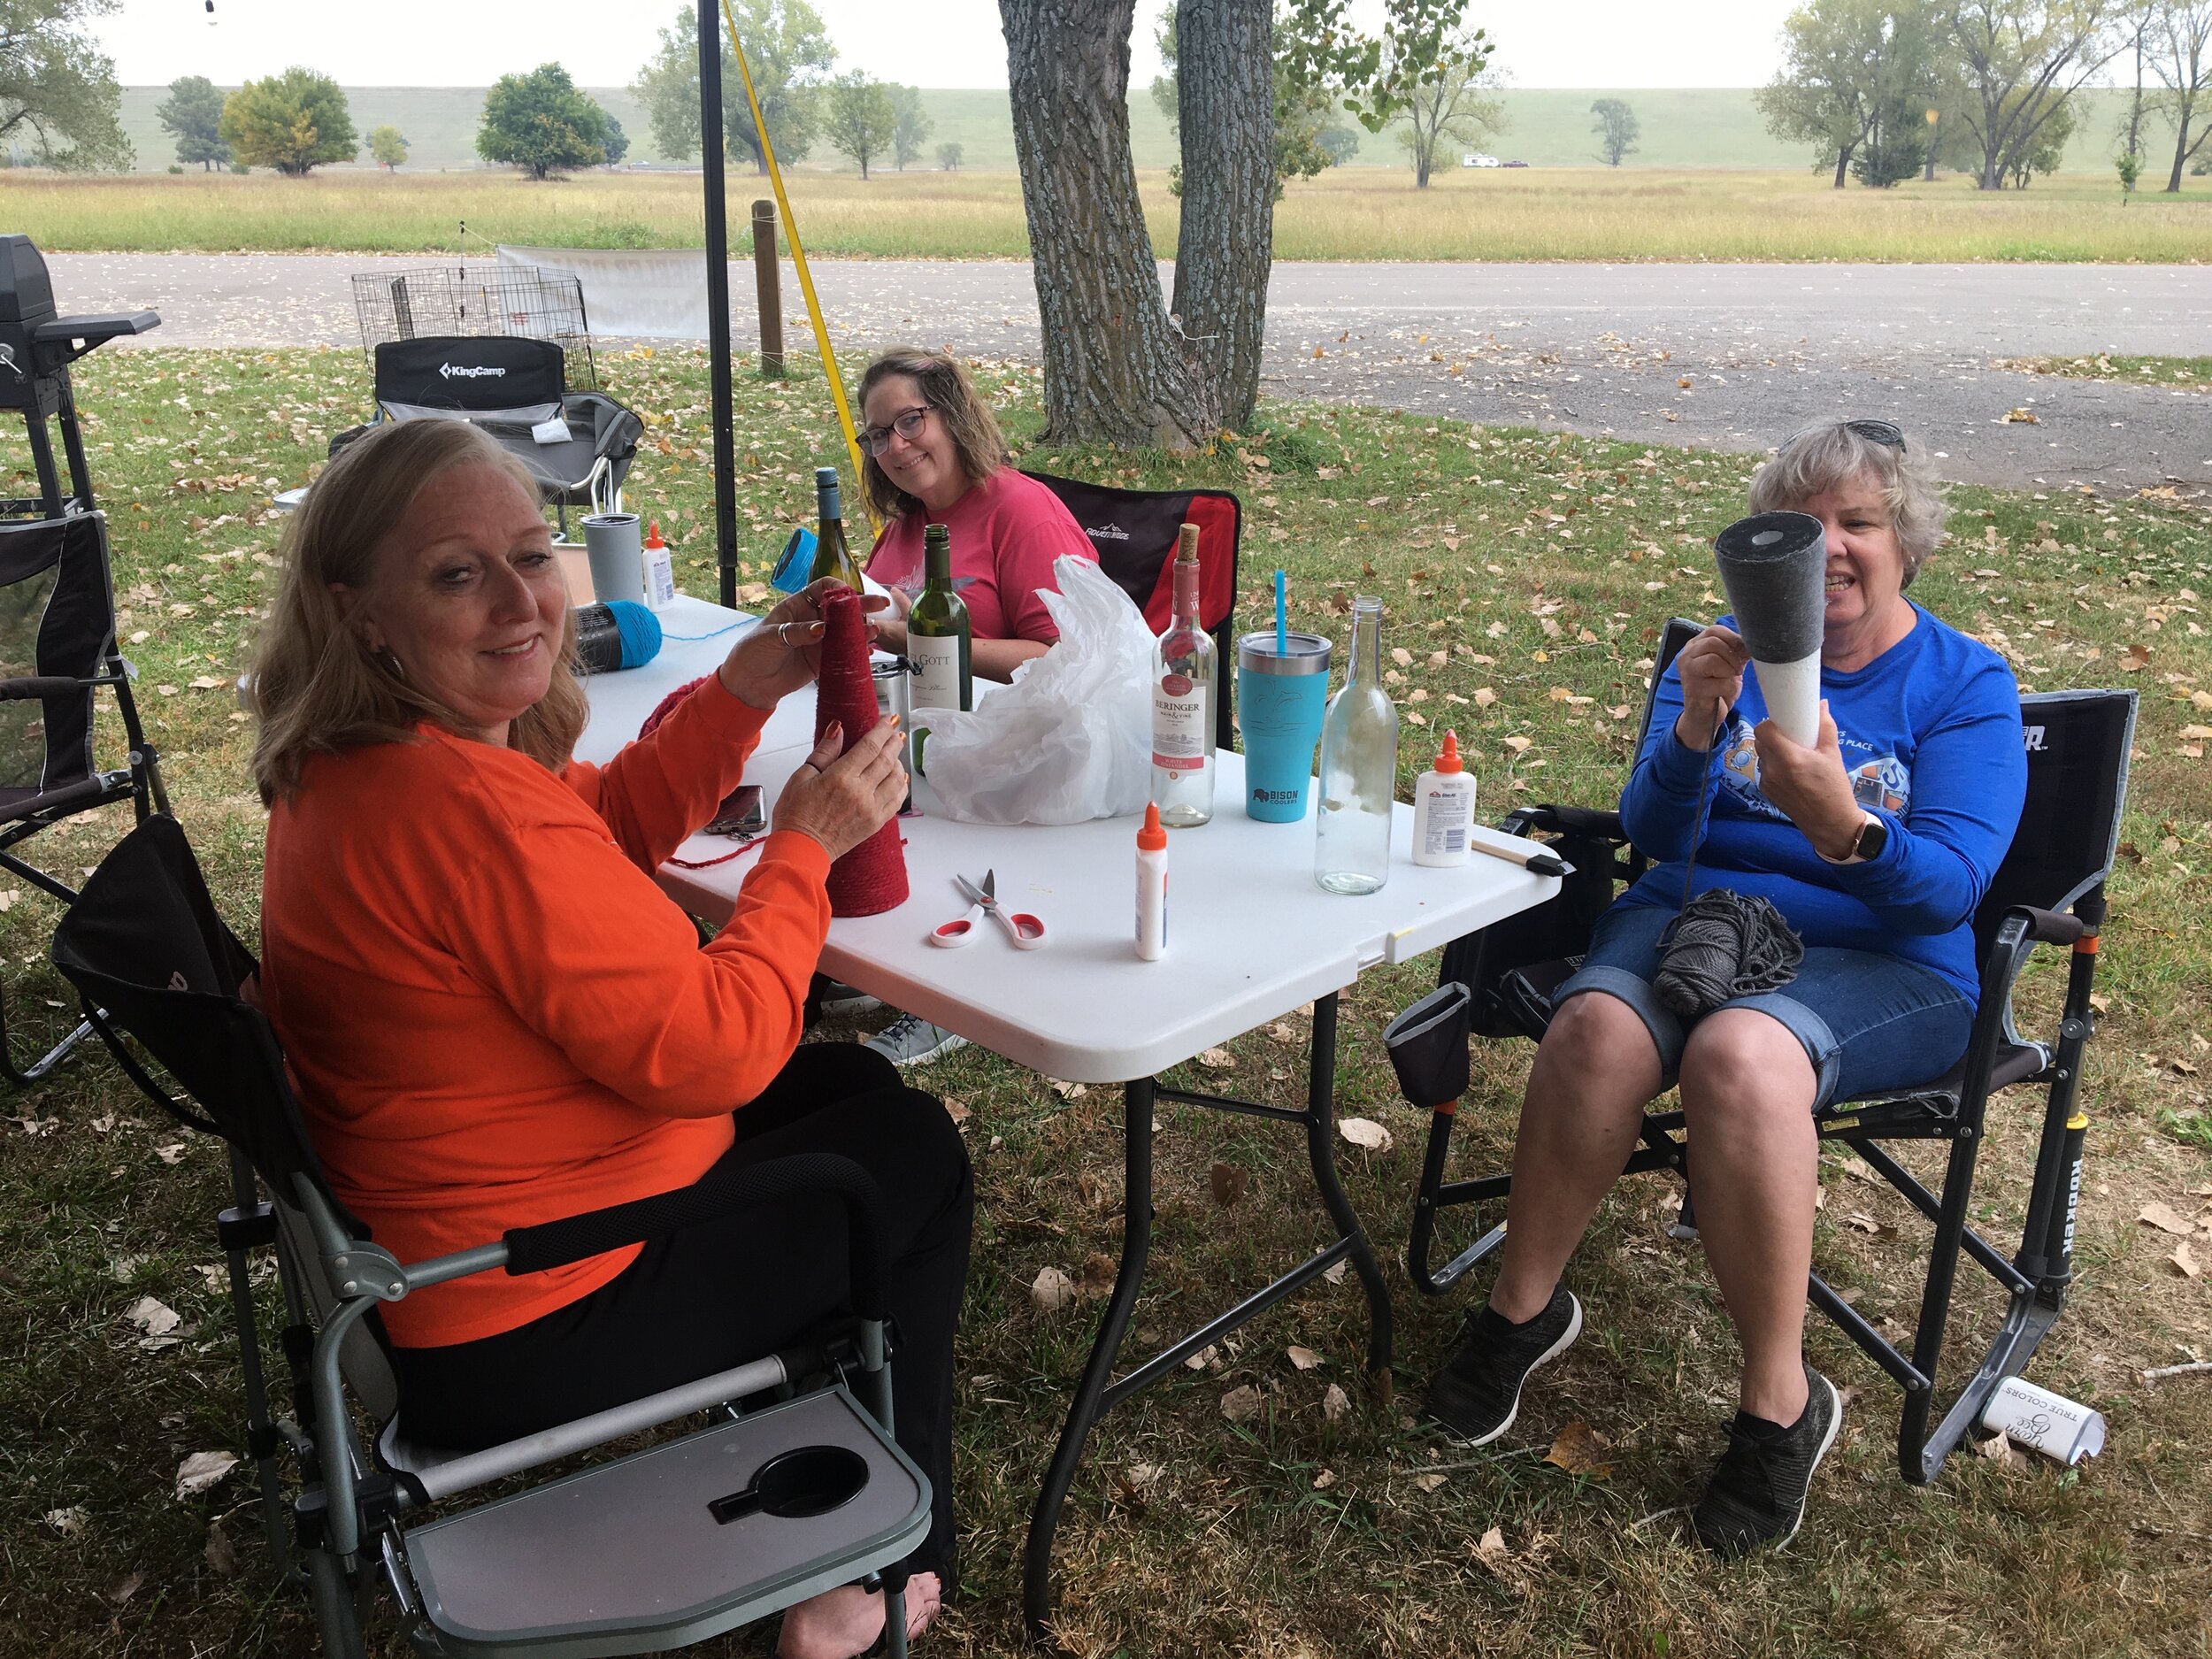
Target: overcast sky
923,43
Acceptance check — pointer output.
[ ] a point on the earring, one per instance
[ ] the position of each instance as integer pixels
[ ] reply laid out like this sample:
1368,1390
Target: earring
390,662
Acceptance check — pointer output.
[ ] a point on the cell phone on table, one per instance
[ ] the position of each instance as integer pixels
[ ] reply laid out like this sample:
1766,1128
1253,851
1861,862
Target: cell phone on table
741,814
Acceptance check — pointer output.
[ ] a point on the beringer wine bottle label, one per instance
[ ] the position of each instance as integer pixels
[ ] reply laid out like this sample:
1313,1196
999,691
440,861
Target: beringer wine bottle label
1179,724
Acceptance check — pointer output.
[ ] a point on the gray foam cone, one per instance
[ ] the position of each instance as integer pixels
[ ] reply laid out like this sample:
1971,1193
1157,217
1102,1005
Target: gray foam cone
1775,568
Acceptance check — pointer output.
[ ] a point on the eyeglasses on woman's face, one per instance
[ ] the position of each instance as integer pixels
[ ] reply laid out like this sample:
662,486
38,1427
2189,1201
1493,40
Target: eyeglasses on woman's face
1886,432
907,423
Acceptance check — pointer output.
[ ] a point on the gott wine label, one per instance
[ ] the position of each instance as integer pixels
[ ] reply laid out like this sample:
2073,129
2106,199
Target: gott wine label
936,660
1179,724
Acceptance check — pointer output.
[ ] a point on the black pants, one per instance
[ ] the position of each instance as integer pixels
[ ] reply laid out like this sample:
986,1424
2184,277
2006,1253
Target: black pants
731,1290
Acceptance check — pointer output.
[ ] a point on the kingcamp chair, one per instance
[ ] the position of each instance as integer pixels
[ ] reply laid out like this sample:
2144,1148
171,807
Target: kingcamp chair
2048,890
1134,532
57,648
510,387
663,1546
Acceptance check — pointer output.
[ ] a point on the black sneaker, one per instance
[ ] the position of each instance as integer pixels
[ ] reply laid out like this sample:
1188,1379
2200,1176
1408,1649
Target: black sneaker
1477,1392
837,997
1757,1492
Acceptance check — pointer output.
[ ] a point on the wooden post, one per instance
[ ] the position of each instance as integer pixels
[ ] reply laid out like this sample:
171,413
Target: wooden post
768,278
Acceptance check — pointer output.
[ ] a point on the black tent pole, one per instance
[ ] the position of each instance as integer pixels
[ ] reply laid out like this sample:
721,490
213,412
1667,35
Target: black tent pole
719,301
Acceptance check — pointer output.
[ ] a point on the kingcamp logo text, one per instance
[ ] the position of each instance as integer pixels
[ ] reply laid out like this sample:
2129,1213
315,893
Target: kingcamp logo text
468,371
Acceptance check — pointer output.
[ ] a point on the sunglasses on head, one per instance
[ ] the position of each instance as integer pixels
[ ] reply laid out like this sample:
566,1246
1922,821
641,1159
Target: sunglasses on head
1886,432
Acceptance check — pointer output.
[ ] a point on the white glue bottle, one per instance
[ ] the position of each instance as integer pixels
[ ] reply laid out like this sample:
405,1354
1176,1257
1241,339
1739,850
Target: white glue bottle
1443,809
1151,887
660,570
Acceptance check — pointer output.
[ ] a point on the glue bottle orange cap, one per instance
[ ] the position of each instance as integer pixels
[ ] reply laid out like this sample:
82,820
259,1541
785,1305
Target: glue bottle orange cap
653,534
1449,760
1151,838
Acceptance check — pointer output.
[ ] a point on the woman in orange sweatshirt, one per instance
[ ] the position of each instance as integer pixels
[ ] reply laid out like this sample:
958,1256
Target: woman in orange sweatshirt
496,1016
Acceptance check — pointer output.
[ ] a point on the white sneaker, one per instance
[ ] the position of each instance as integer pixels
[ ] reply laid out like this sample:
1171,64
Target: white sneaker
910,1039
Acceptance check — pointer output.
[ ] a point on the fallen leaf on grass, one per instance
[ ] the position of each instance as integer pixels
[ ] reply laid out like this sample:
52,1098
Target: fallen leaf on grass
1051,1290
68,1522
221,1555
1485,696
1366,1132
1229,1183
1241,1405
1336,1404
2184,1261
955,1111
203,1469
2166,1218
1492,1542
1430,1482
1998,1449
173,1153
2133,658
1303,1358
1579,1449
1201,1359
2022,417
1866,1223
1323,1481
152,1317
1064,1090
1098,1274
1217,1060
125,1587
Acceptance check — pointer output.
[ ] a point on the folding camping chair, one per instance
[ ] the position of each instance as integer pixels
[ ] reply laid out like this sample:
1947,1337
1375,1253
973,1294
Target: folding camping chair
512,386
2048,890
56,649
1135,532
656,1549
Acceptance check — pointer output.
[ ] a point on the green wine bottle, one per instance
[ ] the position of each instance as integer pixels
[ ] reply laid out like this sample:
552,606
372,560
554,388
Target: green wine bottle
939,641
833,555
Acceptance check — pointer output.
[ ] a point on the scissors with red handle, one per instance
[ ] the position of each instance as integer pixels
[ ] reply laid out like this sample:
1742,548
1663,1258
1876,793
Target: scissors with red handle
1025,931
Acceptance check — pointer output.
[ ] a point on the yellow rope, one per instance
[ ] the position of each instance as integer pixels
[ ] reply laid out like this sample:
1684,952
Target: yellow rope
806,279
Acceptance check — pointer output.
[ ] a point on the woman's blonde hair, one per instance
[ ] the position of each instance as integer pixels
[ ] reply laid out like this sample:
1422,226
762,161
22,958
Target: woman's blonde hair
1834,453
944,387
316,682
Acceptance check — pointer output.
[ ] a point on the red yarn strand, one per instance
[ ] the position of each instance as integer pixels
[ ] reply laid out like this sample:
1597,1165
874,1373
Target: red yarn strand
871,878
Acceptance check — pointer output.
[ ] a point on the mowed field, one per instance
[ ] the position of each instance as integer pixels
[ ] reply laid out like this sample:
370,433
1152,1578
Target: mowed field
1592,214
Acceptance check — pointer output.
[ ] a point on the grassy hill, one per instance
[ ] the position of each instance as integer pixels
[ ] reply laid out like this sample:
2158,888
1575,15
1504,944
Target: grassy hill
1710,126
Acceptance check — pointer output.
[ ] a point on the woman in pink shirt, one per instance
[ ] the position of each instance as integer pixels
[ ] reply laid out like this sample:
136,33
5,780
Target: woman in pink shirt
934,456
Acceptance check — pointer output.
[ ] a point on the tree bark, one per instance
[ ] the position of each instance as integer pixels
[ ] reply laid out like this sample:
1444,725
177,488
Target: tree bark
1114,370
2181,151
1843,162
1225,102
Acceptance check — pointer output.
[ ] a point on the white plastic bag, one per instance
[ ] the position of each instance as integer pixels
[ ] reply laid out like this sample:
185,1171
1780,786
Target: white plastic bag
1071,739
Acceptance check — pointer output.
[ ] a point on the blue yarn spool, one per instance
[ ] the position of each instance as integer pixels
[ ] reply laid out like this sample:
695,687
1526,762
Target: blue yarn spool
639,630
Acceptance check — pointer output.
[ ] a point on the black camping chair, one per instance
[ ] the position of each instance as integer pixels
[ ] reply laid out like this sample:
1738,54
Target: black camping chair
2049,890
664,1547
1136,533
56,649
510,387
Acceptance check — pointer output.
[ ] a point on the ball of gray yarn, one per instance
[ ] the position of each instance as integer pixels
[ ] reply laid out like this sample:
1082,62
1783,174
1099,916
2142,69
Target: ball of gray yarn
1725,944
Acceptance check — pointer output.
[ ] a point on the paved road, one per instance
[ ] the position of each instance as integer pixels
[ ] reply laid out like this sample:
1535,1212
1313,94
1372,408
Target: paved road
1598,348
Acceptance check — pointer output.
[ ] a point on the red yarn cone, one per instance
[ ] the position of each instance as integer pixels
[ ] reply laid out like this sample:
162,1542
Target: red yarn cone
871,878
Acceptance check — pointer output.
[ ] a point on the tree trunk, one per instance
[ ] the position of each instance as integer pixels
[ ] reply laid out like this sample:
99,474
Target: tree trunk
2181,152
1114,370
1843,161
1226,94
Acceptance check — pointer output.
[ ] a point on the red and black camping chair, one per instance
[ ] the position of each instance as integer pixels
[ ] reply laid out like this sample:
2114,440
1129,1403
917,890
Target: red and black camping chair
1136,533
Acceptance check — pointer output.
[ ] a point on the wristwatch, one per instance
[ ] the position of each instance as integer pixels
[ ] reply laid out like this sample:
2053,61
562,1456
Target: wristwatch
1873,837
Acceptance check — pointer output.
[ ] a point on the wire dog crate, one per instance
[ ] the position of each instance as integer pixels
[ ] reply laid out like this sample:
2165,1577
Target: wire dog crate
478,298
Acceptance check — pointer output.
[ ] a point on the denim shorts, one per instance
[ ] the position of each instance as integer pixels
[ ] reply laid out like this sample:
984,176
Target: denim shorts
1868,1023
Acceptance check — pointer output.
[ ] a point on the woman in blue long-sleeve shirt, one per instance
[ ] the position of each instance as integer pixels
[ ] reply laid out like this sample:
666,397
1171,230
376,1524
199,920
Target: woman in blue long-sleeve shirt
1876,843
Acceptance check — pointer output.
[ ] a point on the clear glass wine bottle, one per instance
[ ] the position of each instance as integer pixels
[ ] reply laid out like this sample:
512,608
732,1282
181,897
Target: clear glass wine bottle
1183,690
1359,767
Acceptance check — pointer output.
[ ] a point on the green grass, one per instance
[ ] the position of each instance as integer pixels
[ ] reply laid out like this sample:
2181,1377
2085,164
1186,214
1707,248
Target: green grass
1348,214
1541,566
2193,374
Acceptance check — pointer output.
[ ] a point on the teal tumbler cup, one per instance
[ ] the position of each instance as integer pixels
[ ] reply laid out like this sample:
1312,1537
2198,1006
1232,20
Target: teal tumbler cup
1281,698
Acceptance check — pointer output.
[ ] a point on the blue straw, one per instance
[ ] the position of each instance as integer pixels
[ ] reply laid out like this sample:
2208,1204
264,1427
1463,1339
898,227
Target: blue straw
1282,616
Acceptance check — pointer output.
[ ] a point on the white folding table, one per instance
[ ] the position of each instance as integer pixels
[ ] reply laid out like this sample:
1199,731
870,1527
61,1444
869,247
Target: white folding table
1250,938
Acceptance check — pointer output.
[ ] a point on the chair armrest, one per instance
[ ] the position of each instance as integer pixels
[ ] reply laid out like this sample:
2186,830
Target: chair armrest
574,1238
43,685
2051,927
1580,821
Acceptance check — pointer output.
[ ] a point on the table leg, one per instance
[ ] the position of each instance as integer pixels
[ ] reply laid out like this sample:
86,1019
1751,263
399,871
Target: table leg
1320,1116
1136,1240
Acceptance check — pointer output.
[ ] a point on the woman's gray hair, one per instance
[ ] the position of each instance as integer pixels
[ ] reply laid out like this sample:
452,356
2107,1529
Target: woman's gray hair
1831,454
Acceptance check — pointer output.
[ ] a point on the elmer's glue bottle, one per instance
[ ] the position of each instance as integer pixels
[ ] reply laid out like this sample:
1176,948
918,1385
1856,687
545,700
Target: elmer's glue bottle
660,568
1151,887
1443,809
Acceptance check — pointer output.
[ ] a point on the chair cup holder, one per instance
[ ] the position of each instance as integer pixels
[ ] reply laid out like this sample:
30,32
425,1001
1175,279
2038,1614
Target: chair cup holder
1428,1047
796,1485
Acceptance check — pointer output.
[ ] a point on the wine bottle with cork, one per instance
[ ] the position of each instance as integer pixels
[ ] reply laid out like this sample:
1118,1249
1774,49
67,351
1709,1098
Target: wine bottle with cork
939,640
1183,692
832,555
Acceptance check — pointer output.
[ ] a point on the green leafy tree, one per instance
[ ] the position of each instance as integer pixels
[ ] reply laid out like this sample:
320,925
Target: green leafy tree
387,146
859,117
2020,63
2130,167
1307,135
293,122
1857,81
2047,153
1616,129
2181,32
193,112
541,124
790,55
1459,108
616,141
911,125
58,92
949,157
